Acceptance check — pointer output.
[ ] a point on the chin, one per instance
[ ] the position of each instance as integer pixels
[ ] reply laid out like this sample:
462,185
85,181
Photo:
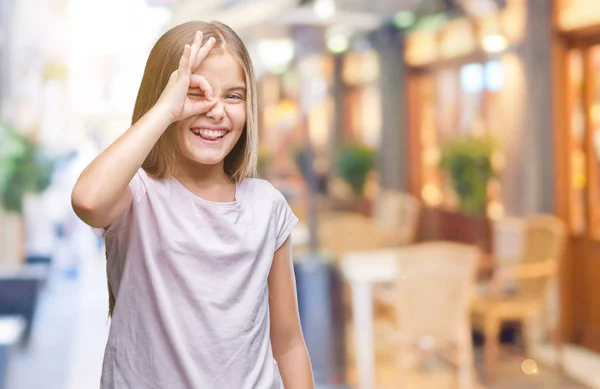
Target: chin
204,159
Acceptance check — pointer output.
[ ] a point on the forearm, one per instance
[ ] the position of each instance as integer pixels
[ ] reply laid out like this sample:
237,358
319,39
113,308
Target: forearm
104,180
295,368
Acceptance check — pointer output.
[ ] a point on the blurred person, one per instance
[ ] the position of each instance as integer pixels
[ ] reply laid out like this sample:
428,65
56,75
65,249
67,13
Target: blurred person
201,283
74,241
41,234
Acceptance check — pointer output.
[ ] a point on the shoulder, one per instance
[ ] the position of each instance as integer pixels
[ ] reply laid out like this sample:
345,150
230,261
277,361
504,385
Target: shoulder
263,191
260,187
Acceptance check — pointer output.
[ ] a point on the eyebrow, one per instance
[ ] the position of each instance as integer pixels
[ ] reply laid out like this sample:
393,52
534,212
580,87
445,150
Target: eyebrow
237,88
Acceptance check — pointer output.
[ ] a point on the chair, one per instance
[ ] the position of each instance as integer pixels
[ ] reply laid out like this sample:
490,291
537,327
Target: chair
528,278
433,293
399,212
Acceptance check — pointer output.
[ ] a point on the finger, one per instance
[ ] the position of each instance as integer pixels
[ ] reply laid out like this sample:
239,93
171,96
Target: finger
202,106
203,52
197,81
195,48
184,62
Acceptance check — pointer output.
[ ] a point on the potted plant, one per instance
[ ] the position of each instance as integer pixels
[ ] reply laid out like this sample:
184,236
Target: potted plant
24,169
354,163
468,163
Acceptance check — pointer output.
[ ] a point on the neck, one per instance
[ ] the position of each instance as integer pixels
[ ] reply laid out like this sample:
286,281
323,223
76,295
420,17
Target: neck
201,175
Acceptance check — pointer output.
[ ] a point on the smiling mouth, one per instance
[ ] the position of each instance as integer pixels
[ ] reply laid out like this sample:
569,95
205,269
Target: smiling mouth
208,134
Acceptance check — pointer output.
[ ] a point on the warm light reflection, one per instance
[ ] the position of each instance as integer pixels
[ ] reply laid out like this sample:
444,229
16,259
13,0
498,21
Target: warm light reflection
432,156
495,210
498,161
495,43
529,367
431,195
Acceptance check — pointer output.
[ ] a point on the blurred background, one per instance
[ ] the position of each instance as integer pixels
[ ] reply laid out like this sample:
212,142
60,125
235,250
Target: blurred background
443,157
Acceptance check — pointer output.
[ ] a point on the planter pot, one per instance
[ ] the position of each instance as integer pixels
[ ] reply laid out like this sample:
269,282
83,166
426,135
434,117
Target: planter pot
443,224
363,206
12,239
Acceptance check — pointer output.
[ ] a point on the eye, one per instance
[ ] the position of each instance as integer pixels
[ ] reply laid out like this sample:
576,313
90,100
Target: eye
235,97
196,94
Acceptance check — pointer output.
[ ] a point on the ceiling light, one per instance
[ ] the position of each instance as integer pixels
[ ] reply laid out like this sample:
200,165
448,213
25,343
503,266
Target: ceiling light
404,19
276,54
324,9
495,43
338,43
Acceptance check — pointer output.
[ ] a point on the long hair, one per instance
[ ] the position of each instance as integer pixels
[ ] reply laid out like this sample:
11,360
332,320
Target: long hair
163,60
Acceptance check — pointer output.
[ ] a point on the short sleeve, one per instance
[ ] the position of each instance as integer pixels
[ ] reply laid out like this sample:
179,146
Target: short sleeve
138,192
285,219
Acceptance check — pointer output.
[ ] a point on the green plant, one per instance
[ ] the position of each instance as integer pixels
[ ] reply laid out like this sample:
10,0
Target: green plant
468,163
354,163
23,168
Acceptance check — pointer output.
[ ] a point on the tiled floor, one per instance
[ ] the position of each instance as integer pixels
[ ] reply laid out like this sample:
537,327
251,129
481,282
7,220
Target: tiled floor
68,342
511,375
435,373
44,362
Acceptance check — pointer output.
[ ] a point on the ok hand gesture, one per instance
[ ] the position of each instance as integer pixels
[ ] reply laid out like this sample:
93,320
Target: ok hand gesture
174,97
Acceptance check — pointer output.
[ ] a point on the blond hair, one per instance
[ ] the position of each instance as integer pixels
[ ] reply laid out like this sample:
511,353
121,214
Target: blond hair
163,60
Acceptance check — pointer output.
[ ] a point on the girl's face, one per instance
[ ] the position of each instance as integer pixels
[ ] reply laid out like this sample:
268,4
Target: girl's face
208,138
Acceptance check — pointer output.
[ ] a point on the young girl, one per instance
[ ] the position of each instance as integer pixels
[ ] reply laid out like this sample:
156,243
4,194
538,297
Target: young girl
198,256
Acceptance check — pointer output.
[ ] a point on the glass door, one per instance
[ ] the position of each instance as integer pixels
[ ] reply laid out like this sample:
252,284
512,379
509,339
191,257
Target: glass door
584,129
594,137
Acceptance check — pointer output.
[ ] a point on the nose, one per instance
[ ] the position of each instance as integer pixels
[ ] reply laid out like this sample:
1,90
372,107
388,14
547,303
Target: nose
217,112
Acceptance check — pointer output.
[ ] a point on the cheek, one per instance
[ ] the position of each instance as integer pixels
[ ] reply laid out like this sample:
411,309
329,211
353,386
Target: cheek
182,127
181,134
237,115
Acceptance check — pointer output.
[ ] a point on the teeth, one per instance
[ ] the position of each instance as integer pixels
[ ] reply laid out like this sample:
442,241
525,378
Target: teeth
209,133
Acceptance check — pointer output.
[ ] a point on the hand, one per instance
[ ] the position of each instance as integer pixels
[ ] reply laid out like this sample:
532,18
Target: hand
174,98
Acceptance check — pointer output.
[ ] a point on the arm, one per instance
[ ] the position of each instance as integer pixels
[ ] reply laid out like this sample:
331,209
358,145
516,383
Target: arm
520,271
525,270
287,340
102,192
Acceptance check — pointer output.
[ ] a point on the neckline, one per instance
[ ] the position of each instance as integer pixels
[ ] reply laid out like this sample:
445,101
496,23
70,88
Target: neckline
197,199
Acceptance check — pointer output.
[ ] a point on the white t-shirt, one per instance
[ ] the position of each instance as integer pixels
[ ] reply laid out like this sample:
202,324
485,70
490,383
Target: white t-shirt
190,281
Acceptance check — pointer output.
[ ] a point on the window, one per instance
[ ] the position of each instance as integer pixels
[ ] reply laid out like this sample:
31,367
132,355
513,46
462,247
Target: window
454,101
584,131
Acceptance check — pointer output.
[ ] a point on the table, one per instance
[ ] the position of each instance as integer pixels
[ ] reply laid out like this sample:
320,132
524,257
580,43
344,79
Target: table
340,232
361,270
